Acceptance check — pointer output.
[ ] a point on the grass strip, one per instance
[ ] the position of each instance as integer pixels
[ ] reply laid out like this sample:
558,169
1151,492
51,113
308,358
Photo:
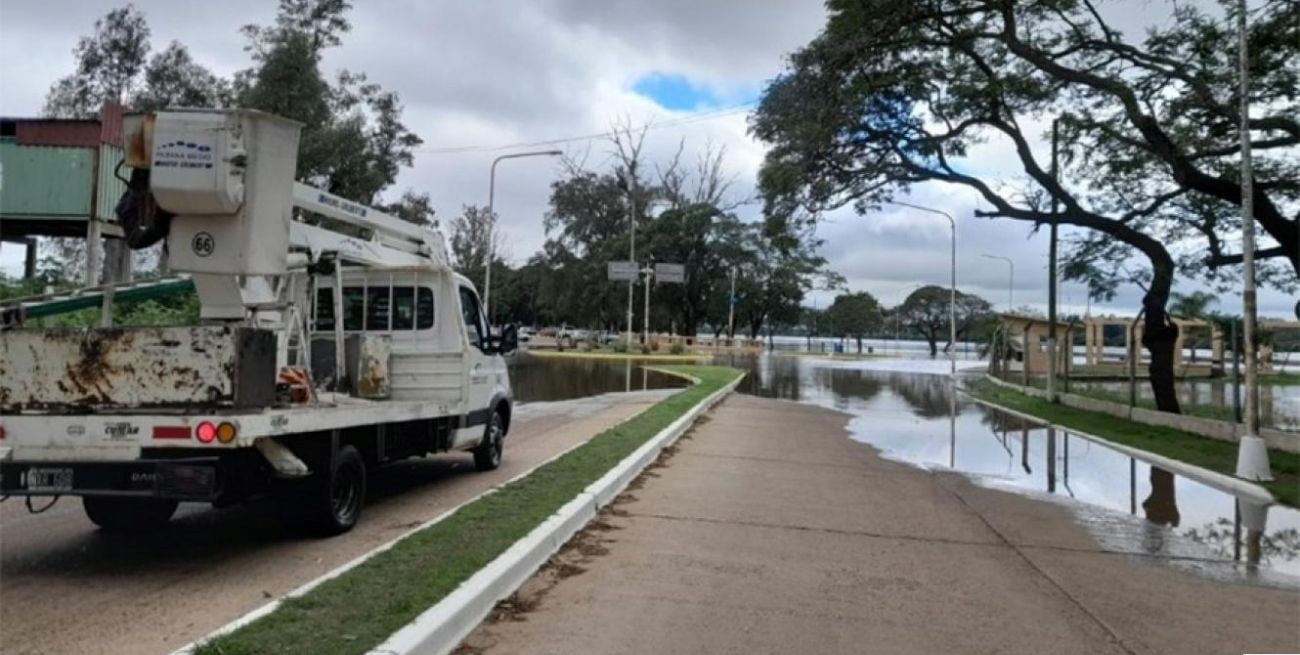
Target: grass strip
361,608
1212,454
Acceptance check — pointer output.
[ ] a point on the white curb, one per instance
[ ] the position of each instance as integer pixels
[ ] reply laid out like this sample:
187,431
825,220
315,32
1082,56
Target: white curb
259,612
440,628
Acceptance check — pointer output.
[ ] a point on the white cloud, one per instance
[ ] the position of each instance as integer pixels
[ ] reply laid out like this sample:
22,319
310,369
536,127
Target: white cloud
498,72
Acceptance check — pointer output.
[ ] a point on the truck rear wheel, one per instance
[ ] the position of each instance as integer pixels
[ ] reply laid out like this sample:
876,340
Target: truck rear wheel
126,515
487,456
334,503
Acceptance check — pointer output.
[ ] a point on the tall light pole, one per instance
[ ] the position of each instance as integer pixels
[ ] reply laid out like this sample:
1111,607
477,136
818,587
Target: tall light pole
1011,281
952,291
1252,454
492,219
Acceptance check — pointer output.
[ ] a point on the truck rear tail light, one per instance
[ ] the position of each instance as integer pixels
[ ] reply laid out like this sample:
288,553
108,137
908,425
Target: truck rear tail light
205,432
226,432
171,432
2,432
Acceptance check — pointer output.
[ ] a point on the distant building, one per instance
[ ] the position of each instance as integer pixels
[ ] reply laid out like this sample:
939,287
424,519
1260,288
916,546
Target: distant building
59,178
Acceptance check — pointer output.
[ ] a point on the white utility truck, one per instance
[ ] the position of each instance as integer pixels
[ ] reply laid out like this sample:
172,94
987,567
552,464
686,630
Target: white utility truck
333,338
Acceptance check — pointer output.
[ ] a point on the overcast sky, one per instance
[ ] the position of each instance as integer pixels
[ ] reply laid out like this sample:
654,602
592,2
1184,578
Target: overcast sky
487,74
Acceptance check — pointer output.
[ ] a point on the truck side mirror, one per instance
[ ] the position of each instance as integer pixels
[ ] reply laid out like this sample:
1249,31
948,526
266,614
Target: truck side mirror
509,339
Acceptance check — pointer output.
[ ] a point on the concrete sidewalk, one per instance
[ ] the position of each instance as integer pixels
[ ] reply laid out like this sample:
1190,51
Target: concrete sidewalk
769,531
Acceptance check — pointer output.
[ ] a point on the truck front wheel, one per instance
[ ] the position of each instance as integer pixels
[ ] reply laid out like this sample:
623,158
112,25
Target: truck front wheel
126,515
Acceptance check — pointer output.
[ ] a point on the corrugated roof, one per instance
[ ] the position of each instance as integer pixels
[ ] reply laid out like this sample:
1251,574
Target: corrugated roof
73,133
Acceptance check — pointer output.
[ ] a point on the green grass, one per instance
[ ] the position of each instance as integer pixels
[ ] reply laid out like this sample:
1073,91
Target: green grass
1281,379
358,610
1212,454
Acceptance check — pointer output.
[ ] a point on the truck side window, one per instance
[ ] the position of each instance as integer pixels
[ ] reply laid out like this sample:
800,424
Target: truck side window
378,316
472,317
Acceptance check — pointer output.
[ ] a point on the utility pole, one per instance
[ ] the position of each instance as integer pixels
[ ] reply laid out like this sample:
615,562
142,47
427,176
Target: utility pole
649,272
1252,454
631,252
731,307
1051,279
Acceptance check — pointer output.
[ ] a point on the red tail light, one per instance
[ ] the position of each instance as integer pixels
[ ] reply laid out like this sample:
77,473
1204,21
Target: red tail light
205,432
2,432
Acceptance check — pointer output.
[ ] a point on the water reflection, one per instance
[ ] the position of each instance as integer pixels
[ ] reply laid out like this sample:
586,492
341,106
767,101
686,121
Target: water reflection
916,418
535,379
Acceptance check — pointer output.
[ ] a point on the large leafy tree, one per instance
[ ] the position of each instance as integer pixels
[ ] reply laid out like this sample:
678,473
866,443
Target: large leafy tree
890,96
926,311
709,243
353,140
854,315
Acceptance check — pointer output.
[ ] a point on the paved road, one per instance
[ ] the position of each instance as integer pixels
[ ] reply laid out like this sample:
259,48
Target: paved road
769,531
66,588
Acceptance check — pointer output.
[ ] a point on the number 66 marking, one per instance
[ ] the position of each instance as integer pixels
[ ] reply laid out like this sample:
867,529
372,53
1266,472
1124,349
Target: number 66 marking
203,244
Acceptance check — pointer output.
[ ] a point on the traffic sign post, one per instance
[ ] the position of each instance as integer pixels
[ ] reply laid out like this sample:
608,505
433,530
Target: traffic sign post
622,271
664,274
670,273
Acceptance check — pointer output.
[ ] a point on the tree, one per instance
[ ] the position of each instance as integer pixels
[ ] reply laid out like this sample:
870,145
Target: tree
412,207
469,241
109,63
172,79
891,96
926,311
709,243
854,315
353,142
1193,306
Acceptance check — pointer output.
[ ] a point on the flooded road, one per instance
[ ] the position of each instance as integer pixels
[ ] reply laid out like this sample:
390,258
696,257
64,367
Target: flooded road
537,379
906,410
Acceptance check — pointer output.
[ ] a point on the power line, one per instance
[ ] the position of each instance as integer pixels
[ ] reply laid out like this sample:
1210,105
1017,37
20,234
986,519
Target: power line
685,120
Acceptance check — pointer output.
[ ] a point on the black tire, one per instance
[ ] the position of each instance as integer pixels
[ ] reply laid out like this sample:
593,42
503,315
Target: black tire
334,502
487,457
128,515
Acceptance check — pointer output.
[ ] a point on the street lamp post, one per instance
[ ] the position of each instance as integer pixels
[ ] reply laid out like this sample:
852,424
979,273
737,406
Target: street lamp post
492,219
1252,453
952,291
1011,281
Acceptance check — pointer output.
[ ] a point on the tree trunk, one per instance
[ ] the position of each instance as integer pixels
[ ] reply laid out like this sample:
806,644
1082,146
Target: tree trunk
934,344
1158,336
859,345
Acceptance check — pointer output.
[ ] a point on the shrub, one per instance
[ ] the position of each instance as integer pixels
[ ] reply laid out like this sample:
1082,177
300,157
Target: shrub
677,348
620,346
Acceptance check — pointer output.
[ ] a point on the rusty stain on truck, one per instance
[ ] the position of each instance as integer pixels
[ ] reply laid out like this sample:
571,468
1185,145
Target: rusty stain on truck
137,367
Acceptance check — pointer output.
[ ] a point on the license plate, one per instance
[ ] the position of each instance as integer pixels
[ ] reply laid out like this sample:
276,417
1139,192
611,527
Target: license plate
49,479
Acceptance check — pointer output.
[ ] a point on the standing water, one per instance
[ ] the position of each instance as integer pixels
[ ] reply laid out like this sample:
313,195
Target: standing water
907,410
538,379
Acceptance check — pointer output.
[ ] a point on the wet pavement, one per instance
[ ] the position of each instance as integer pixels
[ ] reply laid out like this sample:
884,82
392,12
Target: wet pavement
905,409
766,529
